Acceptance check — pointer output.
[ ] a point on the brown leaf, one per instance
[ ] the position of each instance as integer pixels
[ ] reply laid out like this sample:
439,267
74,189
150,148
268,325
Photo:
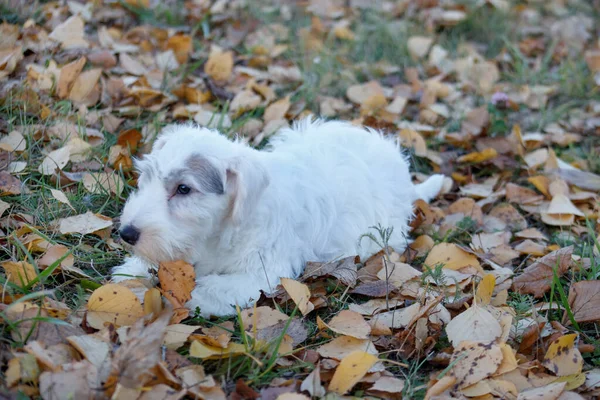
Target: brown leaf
537,278
140,352
181,46
68,75
345,270
9,185
177,280
84,86
584,300
219,65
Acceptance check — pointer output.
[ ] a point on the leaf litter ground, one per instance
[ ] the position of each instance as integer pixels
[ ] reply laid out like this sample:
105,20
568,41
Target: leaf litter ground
498,296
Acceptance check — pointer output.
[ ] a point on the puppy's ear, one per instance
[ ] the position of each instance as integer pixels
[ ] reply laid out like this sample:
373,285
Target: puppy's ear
247,178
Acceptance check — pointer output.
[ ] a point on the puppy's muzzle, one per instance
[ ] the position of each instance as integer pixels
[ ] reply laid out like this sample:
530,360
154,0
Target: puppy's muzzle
130,234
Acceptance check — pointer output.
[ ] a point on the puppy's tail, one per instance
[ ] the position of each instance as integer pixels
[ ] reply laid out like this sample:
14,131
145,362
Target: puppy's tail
430,188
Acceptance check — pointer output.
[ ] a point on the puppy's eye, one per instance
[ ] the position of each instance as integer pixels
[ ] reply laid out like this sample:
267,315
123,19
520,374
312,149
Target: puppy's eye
183,189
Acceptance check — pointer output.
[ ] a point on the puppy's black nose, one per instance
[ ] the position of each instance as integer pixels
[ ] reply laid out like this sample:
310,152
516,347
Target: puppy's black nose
130,234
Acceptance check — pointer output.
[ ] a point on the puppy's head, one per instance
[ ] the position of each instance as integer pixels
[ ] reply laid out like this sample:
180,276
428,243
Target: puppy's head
193,183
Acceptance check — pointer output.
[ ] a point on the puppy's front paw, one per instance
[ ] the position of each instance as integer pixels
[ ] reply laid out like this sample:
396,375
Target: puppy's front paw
132,268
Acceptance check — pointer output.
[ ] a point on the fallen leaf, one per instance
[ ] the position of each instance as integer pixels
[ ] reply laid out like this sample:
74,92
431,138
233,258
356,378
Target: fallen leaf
474,325
451,257
177,334
84,223
103,183
342,346
55,253
351,369
584,301
56,159
418,46
75,380
204,351
474,361
537,278
277,110
299,293
312,383
9,185
177,280
141,351
361,93
551,391
345,270
562,357
479,157
20,273
350,323
113,304
219,65
485,289
70,33
14,141
61,197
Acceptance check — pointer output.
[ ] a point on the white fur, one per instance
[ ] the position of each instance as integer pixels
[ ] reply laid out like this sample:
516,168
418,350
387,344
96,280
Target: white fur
308,197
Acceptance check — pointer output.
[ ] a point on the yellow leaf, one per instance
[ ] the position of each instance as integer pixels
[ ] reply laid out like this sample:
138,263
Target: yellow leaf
351,369
181,46
114,304
300,293
483,296
204,351
479,156
277,110
413,140
350,323
451,257
562,357
20,273
509,361
84,85
152,302
573,381
219,65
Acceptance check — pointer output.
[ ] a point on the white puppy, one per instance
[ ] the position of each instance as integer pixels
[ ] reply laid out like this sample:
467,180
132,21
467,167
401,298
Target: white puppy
245,218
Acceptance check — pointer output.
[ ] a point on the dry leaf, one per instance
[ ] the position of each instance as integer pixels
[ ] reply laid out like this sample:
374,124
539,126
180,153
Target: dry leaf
476,324
299,293
113,304
584,301
351,369
219,65
537,278
312,383
562,357
451,257
475,361
61,197
177,280
20,273
57,159
350,323
84,223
